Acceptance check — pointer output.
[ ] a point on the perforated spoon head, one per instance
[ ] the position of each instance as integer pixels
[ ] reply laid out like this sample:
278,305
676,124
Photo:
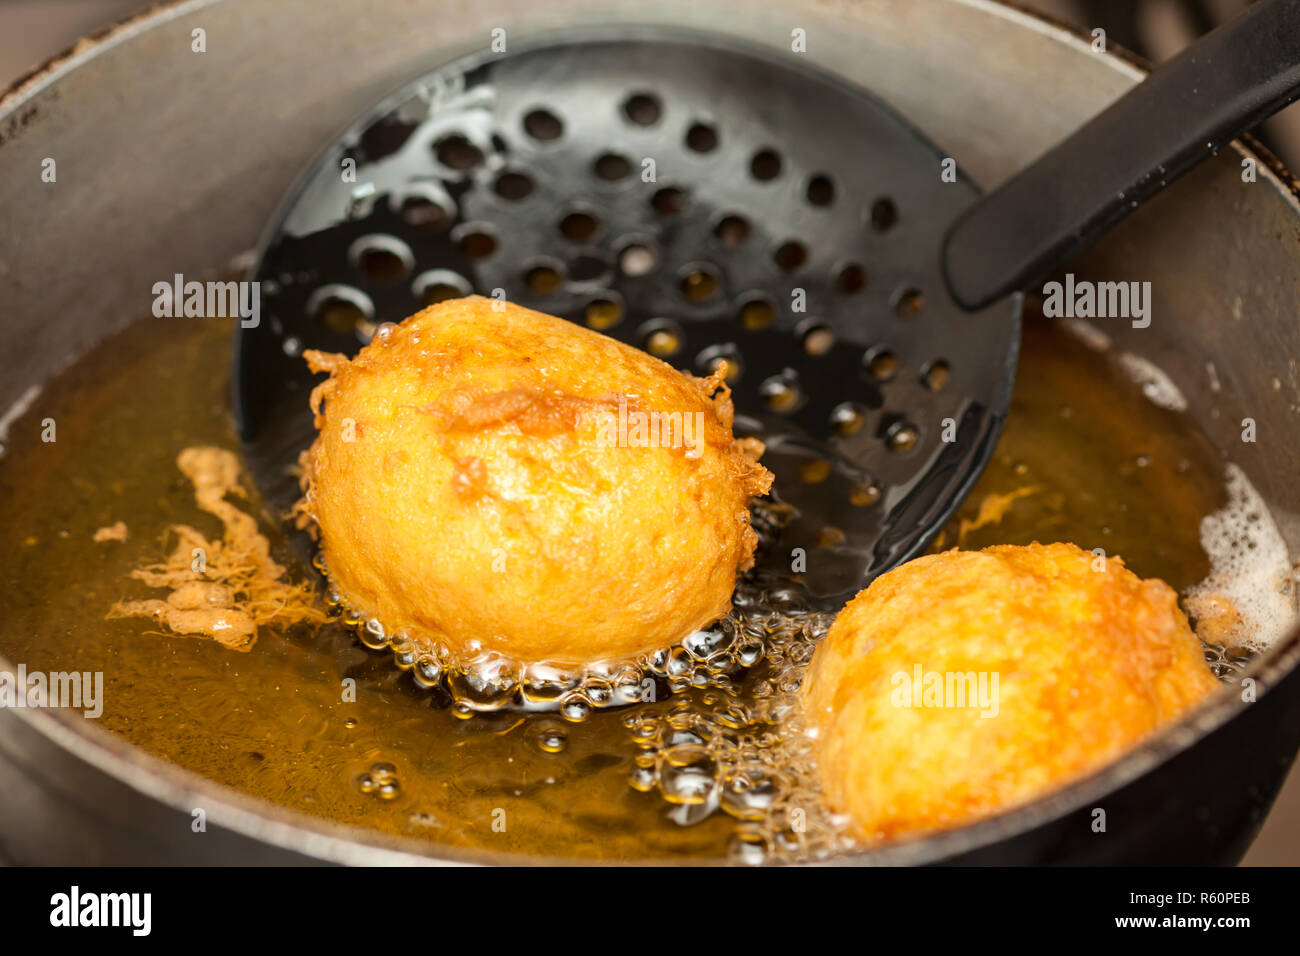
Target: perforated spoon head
707,202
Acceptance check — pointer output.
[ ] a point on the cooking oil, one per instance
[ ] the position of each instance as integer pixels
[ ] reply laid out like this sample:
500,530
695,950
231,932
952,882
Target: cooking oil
315,721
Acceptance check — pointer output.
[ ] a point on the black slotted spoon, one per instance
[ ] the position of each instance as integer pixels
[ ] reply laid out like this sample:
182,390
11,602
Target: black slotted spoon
711,202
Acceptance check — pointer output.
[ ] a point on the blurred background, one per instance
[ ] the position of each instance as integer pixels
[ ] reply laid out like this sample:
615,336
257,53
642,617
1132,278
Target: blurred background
1156,30
31,31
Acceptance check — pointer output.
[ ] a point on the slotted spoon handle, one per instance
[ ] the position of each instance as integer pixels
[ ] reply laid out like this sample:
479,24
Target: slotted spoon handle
1209,94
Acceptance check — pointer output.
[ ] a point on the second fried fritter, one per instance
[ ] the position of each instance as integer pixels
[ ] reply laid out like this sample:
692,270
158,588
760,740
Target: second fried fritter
965,683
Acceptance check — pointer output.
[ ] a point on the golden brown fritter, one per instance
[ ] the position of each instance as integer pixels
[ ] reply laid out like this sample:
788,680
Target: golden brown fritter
1064,660
482,478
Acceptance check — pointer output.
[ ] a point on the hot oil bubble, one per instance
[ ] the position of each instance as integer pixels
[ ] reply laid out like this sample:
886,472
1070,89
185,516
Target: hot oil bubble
380,781
713,722
547,684
427,671
749,846
749,793
489,682
1250,569
687,773
485,684
576,708
740,748
462,710
552,740
643,779
372,634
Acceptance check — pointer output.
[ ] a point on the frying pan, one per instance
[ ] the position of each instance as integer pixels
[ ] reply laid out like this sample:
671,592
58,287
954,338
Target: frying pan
174,164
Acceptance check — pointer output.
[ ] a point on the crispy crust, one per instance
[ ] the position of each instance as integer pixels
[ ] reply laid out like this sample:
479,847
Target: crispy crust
1089,662
466,491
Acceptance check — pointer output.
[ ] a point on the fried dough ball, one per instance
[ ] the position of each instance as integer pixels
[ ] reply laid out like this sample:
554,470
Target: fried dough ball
1088,661
492,478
